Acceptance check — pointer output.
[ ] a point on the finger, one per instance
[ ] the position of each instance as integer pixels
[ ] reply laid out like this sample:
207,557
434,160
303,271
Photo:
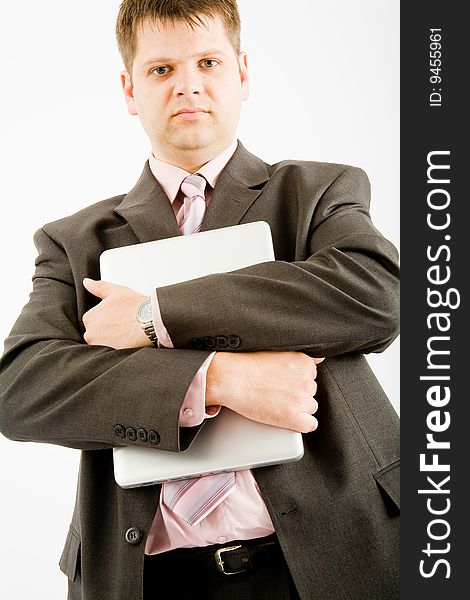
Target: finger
314,371
310,387
316,361
313,406
310,406
100,289
305,423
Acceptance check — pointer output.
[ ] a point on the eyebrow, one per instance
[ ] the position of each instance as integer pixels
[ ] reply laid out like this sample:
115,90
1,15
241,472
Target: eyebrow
163,59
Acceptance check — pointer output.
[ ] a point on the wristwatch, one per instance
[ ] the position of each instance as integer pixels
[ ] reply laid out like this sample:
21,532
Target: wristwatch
144,316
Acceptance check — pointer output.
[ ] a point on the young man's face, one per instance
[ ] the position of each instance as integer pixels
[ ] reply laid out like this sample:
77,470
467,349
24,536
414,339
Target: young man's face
187,88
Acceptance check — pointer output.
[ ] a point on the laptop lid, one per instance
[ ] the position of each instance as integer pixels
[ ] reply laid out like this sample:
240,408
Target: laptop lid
229,441
148,265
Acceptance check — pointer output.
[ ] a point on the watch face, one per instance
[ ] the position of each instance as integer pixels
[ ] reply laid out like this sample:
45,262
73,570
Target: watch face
144,313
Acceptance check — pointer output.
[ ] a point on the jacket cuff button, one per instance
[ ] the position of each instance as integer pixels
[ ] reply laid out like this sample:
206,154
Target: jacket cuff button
234,341
221,341
153,438
119,431
142,435
209,343
196,343
131,434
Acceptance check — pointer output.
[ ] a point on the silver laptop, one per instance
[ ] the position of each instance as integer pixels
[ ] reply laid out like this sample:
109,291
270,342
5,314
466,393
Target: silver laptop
229,441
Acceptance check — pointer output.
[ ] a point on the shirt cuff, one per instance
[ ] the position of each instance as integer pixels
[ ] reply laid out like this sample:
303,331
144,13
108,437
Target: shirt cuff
160,329
193,411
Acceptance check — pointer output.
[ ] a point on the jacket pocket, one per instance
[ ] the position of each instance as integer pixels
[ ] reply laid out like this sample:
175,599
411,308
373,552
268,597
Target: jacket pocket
388,480
69,561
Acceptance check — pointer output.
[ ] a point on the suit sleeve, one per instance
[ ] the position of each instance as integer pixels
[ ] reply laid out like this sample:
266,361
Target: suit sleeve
342,297
55,388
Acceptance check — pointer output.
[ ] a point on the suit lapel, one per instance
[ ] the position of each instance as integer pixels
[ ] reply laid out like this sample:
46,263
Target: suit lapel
149,213
147,210
239,185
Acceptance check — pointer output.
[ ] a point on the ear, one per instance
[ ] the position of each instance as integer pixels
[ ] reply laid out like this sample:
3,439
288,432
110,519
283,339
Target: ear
244,77
128,90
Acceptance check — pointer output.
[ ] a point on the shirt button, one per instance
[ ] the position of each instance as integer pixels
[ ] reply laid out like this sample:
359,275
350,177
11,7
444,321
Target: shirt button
221,539
188,413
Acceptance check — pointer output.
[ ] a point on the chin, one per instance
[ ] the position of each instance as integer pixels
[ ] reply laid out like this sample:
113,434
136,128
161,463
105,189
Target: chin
193,136
194,143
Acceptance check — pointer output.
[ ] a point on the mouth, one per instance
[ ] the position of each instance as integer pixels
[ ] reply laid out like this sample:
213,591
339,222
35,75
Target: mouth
190,114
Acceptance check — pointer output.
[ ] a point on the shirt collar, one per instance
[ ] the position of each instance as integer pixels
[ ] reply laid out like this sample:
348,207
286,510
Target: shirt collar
170,177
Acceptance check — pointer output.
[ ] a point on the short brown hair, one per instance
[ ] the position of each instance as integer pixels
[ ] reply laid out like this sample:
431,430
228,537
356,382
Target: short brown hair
132,13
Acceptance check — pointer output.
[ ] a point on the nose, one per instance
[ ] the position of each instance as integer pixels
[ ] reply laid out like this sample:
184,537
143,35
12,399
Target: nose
188,82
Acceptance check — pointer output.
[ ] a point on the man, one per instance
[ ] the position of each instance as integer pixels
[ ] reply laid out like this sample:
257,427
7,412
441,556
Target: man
79,370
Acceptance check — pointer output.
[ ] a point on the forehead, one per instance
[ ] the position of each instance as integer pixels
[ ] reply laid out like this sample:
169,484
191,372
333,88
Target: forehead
178,39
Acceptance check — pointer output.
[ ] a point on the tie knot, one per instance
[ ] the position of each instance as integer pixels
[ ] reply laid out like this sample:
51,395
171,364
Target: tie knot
194,185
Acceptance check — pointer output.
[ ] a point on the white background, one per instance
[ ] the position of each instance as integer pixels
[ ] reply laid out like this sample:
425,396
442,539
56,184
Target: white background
325,86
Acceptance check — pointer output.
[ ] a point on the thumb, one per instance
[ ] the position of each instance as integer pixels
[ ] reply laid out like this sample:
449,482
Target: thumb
99,288
318,360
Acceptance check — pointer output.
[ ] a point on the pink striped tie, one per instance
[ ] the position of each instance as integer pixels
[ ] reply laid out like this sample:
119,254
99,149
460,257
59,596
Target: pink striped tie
193,499
192,212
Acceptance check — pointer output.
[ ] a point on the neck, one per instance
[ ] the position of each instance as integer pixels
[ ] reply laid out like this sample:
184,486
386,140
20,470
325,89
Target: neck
190,161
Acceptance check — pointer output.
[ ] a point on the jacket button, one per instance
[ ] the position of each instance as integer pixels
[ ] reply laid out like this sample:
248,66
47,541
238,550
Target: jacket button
133,535
222,341
154,438
142,435
131,434
196,343
234,341
209,343
119,431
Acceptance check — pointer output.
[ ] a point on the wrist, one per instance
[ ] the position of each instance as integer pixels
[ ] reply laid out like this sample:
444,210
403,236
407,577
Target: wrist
214,381
217,393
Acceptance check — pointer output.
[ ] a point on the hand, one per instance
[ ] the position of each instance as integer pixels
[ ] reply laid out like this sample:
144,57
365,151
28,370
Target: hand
269,387
113,321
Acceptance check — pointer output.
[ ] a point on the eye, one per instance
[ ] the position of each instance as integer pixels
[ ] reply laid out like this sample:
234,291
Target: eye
210,63
160,70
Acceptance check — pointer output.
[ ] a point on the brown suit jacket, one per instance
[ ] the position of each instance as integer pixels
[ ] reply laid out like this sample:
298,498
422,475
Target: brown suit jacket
333,291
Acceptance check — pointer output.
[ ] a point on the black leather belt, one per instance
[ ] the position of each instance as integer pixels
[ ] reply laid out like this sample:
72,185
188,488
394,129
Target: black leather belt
232,558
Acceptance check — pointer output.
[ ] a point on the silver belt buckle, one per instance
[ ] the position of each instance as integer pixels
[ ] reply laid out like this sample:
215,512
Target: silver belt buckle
220,563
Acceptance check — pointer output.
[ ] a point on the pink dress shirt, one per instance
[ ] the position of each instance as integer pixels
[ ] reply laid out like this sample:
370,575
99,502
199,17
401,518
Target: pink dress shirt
243,514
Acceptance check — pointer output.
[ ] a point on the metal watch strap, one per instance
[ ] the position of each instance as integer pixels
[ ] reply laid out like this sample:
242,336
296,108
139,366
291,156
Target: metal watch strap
149,331
146,322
